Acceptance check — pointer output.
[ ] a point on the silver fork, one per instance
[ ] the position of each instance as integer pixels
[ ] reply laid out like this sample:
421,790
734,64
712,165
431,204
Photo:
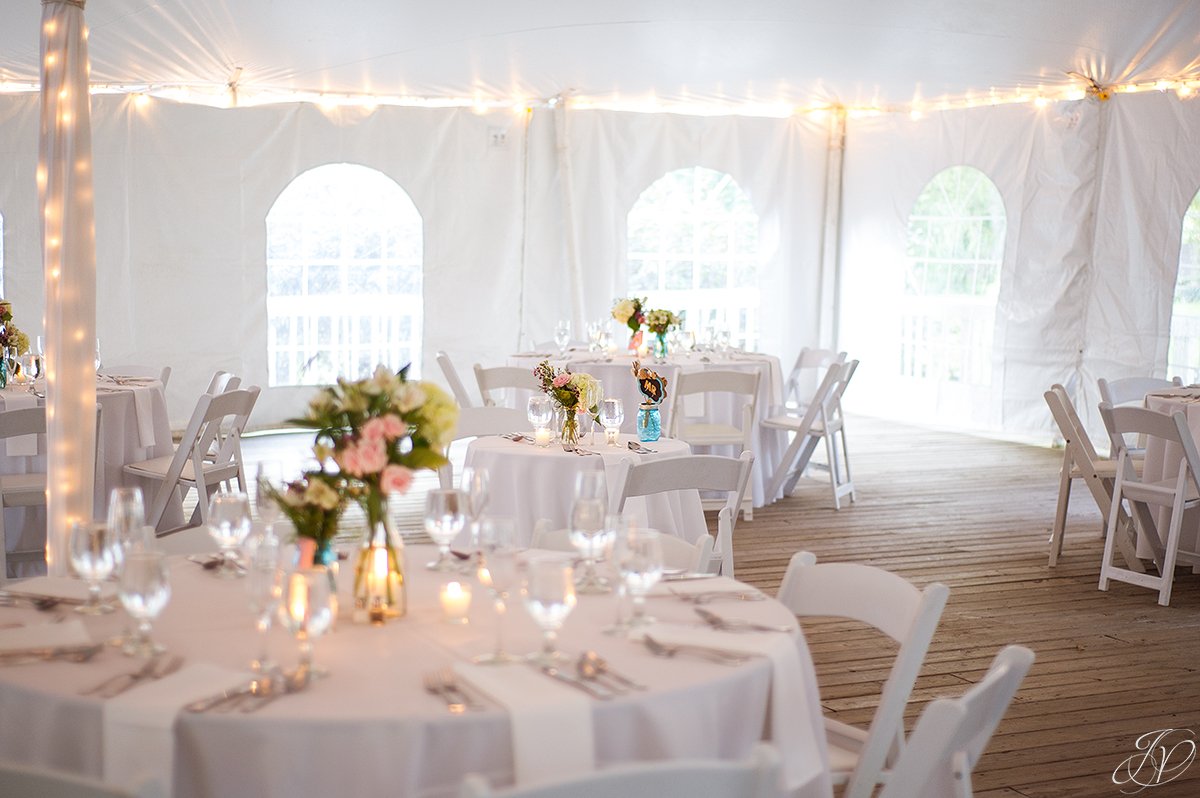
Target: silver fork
717,655
433,686
736,624
450,684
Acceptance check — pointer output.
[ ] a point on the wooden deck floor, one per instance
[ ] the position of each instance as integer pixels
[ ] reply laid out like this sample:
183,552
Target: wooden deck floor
975,514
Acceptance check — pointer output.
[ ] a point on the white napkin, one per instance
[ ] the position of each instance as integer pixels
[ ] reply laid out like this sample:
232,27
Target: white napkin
22,445
551,723
138,742
62,587
143,409
44,635
795,721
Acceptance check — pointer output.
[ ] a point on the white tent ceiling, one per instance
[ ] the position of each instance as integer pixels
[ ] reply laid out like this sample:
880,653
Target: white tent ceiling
853,52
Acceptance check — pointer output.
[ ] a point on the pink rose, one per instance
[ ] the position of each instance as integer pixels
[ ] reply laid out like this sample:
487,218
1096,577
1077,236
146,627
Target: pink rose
393,427
350,461
372,456
373,430
395,479
561,380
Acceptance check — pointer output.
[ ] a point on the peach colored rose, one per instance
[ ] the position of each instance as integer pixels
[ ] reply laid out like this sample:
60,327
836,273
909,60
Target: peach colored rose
372,456
350,461
393,427
396,479
561,380
374,430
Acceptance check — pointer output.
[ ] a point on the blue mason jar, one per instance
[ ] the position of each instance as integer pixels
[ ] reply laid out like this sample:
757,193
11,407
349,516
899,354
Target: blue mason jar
649,422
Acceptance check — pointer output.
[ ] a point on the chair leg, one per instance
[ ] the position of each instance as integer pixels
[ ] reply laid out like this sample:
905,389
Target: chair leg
1060,513
832,458
1109,537
846,459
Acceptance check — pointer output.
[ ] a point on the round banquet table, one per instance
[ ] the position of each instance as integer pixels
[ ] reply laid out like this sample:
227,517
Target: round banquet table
1163,460
615,374
368,728
530,484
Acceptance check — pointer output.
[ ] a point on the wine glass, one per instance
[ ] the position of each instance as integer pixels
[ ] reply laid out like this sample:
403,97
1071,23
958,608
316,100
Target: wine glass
264,585
549,593
562,337
593,333
306,611
127,519
640,561
444,519
723,341
144,590
612,416
98,361
587,534
229,524
94,556
498,573
591,485
268,481
474,484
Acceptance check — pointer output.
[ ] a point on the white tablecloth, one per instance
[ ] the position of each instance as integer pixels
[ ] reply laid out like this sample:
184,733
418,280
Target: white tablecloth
1162,462
369,728
528,483
133,426
617,377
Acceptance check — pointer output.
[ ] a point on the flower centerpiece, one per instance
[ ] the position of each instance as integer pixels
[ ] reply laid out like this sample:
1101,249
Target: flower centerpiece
313,504
11,338
377,431
629,312
574,392
660,322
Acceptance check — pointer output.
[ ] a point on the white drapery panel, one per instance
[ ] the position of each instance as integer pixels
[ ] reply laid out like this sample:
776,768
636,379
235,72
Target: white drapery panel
69,263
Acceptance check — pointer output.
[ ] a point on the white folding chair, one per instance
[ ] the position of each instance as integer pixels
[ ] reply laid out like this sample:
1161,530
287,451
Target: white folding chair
1179,493
20,489
892,605
24,781
695,472
830,426
188,467
806,433
677,552
758,777
807,374
1080,461
501,378
223,381
474,422
698,432
454,381
1133,389
952,733
163,374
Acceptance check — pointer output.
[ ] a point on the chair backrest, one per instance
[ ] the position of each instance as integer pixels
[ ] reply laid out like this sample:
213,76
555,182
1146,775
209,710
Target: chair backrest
476,421
25,421
806,374
832,402
744,383
1133,389
501,377
163,374
456,384
216,427
1122,421
951,734
1071,426
758,777
893,605
19,781
223,381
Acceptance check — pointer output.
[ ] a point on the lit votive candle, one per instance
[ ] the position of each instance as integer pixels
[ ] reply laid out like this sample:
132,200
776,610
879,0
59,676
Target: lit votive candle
542,436
612,436
456,601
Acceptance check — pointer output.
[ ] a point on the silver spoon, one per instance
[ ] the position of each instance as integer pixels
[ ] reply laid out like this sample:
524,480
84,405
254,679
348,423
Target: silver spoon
591,661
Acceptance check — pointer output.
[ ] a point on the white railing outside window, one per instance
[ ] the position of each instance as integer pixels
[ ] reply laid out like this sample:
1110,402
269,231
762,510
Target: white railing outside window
344,253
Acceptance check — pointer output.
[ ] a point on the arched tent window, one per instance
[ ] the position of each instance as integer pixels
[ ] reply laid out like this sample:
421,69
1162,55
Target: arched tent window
344,253
1183,357
952,279
693,247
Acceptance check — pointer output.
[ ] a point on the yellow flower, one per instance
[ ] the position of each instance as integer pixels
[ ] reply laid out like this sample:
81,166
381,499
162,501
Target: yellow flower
321,495
438,415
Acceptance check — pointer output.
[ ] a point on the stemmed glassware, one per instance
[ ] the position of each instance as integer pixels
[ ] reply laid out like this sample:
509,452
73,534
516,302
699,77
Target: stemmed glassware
549,593
612,416
539,411
264,585
95,554
640,562
444,519
127,520
588,535
98,361
306,611
144,590
474,484
498,573
229,524
268,480
562,337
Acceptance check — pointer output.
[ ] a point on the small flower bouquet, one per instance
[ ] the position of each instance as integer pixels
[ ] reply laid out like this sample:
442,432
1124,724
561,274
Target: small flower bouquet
313,504
575,392
629,311
660,322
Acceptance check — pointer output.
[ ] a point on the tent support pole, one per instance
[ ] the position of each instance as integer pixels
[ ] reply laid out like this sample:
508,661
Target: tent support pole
831,232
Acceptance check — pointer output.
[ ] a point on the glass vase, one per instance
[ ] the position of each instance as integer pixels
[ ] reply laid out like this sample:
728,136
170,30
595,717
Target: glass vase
314,552
649,422
660,346
380,587
635,341
3,372
570,430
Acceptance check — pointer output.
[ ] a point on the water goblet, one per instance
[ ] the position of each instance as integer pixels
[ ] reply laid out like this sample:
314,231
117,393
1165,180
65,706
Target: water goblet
98,361
144,590
127,520
640,560
549,593
94,556
587,534
612,416
723,340
444,519
306,611
562,337
474,484
591,485
264,586
539,411
268,482
229,524
498,573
